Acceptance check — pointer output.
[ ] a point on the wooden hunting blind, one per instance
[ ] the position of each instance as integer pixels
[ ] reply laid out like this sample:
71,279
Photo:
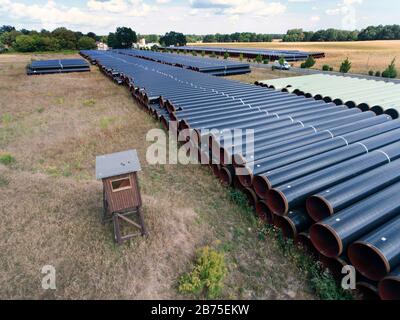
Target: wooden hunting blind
121,194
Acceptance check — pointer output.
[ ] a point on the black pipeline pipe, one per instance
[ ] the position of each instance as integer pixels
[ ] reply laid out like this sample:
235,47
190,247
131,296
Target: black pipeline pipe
297,116
306,160
303,240
367,290
389,287
263,151
318,125
334,265
392,112
213,107
294,193
333,235
251,197
236,184
292,224
376,254
264,213
270,106
332,200
275,124
302,114
226,175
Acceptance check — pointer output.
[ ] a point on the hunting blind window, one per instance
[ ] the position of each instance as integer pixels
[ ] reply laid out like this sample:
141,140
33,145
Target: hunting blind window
121,184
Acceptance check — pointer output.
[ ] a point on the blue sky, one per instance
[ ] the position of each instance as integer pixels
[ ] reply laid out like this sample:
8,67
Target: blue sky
198,16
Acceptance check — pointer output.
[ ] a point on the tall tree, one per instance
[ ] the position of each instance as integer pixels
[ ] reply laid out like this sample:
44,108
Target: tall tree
173,38
125,37
5,28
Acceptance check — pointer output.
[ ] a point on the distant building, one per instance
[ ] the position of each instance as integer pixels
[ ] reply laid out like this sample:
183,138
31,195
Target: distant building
101,46
141,44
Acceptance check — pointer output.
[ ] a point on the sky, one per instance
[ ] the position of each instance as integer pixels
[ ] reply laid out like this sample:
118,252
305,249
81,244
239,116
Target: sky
198,16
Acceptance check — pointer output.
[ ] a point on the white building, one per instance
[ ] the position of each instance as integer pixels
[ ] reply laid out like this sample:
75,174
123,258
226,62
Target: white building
101,46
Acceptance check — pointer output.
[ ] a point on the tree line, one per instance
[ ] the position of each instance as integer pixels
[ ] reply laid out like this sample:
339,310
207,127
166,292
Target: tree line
240,37
32,41
125,37
389,32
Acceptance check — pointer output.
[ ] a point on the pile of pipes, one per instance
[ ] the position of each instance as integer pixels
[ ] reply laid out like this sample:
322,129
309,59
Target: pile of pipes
326,175
57,66
206,65
270,54
378,96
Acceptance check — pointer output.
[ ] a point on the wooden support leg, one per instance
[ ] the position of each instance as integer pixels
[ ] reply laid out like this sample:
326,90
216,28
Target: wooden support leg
117,229
141,219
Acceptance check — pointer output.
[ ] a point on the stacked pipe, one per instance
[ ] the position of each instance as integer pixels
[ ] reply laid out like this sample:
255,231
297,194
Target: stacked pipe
321,173
378,96
206,65
270,54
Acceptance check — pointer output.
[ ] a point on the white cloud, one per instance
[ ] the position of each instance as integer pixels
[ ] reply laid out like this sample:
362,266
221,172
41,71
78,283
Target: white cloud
50,15
315,18
163,1
241,7
134,8
96,14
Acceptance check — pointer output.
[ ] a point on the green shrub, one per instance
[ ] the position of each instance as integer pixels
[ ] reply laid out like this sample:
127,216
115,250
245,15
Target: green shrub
281,61
89,102
6,118
226,55
325,67
212,55
207,276
310,62
241,57
390,71
371,73
6,159
194,53
377,74
346,66
265,61
258,59
86,43
331,69
203,53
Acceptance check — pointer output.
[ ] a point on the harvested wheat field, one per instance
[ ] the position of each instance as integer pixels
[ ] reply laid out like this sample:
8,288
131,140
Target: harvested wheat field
52,127
364,55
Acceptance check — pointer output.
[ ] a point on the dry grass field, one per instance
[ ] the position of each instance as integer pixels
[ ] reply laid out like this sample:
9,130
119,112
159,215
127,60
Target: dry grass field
364,55
50,203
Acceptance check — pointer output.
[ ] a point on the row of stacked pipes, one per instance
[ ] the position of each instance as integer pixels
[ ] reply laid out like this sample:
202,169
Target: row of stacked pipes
326,174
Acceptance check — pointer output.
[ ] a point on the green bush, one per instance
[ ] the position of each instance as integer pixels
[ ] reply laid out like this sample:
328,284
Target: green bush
226,55
6,159
377,74
265,61
241,57
203,53
310,62
346,66
331,69
212,55
258,59
325,67
390,71
371,73
207,276
86,43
